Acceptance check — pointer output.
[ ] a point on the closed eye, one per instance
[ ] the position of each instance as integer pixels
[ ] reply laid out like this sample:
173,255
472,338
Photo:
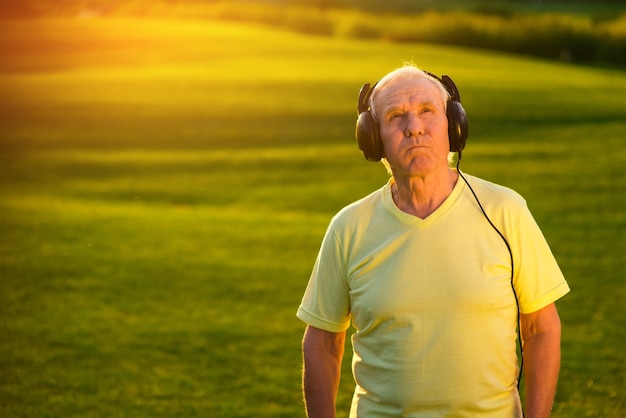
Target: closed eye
395,116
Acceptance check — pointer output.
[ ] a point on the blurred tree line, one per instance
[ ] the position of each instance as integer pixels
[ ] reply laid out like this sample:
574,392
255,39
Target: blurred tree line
573,30
29,8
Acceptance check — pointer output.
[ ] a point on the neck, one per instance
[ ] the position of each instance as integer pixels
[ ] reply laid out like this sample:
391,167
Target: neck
422,196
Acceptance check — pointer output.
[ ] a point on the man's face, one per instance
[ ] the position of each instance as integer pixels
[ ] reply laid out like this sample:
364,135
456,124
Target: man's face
413,127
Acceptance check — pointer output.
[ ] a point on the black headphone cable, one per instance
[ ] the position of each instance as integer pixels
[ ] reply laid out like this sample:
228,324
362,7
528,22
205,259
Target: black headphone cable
508,247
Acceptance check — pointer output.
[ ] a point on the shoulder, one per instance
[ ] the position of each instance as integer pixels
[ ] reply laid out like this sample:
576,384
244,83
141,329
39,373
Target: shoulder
495,194
503,205
359,212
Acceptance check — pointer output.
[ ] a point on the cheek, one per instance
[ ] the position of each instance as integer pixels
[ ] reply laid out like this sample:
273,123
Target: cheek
441,131
389,136
386,137
387,131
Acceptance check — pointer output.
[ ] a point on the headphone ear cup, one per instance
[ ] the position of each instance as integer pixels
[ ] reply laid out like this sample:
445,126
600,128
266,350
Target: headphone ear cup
458,128
368,137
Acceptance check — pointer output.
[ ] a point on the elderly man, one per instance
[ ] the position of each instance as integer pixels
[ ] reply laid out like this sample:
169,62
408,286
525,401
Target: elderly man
434,271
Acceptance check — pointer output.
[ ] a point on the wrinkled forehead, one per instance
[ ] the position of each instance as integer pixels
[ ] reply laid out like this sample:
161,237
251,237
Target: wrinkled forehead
408,89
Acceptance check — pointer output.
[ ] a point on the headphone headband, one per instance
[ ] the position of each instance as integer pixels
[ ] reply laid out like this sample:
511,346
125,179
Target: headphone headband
364,98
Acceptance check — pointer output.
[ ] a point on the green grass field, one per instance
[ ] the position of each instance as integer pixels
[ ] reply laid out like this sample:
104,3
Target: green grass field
165,185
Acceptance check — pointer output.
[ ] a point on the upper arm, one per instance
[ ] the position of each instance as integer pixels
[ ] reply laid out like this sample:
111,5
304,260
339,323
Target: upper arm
319,341
545,320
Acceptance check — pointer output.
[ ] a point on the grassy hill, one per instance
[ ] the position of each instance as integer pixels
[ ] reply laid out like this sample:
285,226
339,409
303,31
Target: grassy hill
165,184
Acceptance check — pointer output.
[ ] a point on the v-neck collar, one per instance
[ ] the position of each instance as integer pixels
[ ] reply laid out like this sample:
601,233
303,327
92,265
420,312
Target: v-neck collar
409,219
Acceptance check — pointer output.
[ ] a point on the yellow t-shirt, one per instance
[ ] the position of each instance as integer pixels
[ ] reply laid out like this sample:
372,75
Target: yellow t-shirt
431,300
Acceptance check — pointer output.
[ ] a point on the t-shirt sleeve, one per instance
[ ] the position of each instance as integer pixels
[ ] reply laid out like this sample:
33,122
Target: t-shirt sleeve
326,301
538,280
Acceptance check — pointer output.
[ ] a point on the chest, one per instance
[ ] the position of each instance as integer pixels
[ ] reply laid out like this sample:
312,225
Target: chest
461,267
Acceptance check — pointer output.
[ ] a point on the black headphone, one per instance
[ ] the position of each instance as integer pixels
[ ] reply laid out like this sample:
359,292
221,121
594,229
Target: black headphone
368,131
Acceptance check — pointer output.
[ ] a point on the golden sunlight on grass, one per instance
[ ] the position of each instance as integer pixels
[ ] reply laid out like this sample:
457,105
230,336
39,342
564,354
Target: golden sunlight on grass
165,184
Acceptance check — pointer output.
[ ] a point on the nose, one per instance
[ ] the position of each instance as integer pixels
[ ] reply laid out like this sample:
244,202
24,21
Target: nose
414,126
